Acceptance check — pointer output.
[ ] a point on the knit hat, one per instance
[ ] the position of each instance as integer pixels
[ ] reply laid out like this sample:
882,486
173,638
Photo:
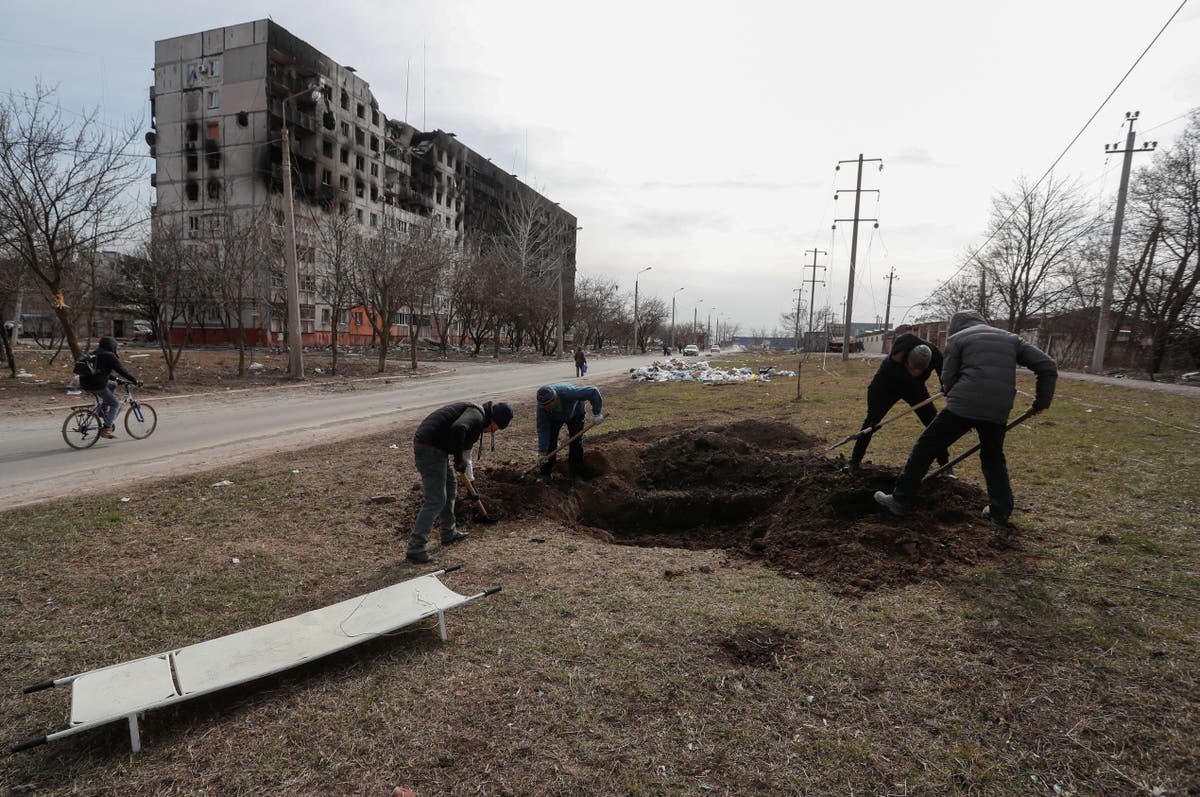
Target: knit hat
919,357
502,414
546,395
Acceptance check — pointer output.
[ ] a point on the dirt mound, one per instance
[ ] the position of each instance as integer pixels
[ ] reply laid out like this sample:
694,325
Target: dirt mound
762,490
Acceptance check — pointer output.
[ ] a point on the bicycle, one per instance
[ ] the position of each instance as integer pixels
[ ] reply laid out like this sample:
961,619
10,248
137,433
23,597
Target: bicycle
82,427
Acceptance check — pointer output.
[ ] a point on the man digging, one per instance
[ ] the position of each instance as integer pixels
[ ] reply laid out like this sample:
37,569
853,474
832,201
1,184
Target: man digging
979,380
448,433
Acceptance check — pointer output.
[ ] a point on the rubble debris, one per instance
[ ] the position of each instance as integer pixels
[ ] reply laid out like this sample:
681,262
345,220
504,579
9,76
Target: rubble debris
675,370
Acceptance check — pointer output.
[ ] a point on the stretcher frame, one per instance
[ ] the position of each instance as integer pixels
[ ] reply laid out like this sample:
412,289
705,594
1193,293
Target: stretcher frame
128,689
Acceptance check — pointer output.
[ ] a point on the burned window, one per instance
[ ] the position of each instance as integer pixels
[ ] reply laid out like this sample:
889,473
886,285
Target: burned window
345,156
214,189
193,160
360,111
360,136
374,143
193,190
193,131
359,162
243,119
344,183
326,177
327,149
345,103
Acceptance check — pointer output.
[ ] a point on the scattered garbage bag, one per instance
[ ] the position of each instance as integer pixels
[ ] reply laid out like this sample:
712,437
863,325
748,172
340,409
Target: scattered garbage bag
675,370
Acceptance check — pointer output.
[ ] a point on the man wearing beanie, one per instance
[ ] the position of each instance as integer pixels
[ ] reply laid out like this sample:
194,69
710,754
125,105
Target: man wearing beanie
448,432
902,375
564,403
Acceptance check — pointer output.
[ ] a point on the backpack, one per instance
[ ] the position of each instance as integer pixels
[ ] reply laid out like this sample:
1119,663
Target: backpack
86,365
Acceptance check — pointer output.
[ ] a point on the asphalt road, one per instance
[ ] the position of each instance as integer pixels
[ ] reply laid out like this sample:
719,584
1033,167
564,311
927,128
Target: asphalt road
208,430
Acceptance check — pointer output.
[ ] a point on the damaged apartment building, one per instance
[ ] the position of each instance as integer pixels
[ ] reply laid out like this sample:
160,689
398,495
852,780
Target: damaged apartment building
217,108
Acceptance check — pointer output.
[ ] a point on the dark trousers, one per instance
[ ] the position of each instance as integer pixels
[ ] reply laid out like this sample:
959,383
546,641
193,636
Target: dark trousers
941,433
439,486
574,451
879,401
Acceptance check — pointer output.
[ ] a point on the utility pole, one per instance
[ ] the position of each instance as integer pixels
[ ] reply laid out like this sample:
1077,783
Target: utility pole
812,288
858,192
887,314
1114,246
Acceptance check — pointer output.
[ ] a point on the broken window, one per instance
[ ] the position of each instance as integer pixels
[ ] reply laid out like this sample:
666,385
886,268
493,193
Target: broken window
326,177
359,162
345,156
193,131
214,189
358,215
344,183
374,220
345,100
193,191
360,111
193,161
359,136
327,149
374,144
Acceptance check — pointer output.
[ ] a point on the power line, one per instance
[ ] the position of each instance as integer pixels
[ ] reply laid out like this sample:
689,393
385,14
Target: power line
1063,154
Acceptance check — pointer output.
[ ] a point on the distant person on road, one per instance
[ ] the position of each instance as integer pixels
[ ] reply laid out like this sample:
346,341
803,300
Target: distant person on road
580,362
448,432
564,403
102,385
901,375
979,379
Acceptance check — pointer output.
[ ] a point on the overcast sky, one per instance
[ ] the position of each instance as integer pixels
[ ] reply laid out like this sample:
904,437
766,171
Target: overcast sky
700,138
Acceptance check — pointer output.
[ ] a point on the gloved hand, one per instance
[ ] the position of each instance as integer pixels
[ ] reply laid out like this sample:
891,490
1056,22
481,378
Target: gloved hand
598,419
470,471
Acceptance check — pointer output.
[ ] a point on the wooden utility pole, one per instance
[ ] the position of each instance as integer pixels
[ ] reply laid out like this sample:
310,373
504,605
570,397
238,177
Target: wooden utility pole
812,289
1114,246
887,314
858,192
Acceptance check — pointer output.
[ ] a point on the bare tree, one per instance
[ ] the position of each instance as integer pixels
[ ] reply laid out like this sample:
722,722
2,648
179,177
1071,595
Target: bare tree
64,191
598,311
1165,203
157,282
233,269
340,248
652,313
1036,232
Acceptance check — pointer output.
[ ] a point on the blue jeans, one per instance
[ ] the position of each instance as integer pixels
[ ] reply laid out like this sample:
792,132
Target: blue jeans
437,480
941,433
109,403
882,399
574,451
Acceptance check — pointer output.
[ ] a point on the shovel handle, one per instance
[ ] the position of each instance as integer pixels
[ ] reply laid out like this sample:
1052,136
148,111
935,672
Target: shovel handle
873,429
543,457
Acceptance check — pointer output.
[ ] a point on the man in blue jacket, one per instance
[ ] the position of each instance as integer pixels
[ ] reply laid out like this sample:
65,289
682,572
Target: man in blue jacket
562,403
101,383
448,433
979,380
901,375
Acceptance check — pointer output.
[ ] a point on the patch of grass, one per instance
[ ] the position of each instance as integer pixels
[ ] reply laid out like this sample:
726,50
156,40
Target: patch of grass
605,669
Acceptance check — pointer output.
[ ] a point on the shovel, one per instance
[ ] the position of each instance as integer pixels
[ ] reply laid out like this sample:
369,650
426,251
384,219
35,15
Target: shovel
470,485
1023,416
883,423
543,457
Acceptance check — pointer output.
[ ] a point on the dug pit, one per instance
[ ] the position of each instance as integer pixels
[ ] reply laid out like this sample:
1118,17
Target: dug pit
764,491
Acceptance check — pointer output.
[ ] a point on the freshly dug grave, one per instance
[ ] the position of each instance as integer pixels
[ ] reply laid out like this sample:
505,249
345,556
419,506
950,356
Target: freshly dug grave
762,490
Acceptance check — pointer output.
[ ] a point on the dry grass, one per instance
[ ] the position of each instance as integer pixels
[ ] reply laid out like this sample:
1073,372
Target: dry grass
602,669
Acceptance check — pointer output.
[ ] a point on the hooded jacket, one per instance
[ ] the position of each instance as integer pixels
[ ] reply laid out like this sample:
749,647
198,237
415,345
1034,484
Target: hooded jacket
106,362
571,405
454,428
979,370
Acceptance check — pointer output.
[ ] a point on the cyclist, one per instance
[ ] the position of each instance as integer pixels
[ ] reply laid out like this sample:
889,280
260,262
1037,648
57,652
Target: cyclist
101,384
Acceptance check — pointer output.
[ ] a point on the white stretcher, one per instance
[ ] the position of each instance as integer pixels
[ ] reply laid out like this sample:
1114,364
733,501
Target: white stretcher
125,690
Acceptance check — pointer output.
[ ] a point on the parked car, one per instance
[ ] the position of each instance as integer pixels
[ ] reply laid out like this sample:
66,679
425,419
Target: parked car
143,331
691,350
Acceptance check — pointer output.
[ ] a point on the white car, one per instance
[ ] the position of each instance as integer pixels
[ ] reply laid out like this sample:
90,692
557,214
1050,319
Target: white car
714,350
691,350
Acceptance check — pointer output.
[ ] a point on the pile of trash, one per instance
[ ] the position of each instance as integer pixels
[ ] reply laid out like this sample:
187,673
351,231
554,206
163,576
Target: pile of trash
676,370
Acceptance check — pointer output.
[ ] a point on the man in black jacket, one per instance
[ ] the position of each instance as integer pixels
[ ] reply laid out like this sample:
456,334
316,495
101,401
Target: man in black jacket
101,385
980,382
901,375
448,432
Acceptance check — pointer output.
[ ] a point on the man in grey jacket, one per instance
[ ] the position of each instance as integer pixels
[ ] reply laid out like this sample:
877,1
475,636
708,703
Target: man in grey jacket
979,380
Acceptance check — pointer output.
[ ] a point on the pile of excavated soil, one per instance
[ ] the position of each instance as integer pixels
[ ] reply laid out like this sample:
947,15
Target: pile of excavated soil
762,490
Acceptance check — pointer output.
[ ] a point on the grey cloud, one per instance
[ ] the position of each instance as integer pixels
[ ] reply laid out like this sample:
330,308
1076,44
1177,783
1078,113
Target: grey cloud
736,184
667,223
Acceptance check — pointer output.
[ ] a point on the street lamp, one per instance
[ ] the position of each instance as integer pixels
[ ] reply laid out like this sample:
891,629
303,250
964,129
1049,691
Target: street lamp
635,307
673,319
295,349
695,307
708,328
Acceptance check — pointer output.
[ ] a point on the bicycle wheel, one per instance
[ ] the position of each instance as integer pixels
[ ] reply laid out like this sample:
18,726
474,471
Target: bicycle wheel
81,429
140,420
